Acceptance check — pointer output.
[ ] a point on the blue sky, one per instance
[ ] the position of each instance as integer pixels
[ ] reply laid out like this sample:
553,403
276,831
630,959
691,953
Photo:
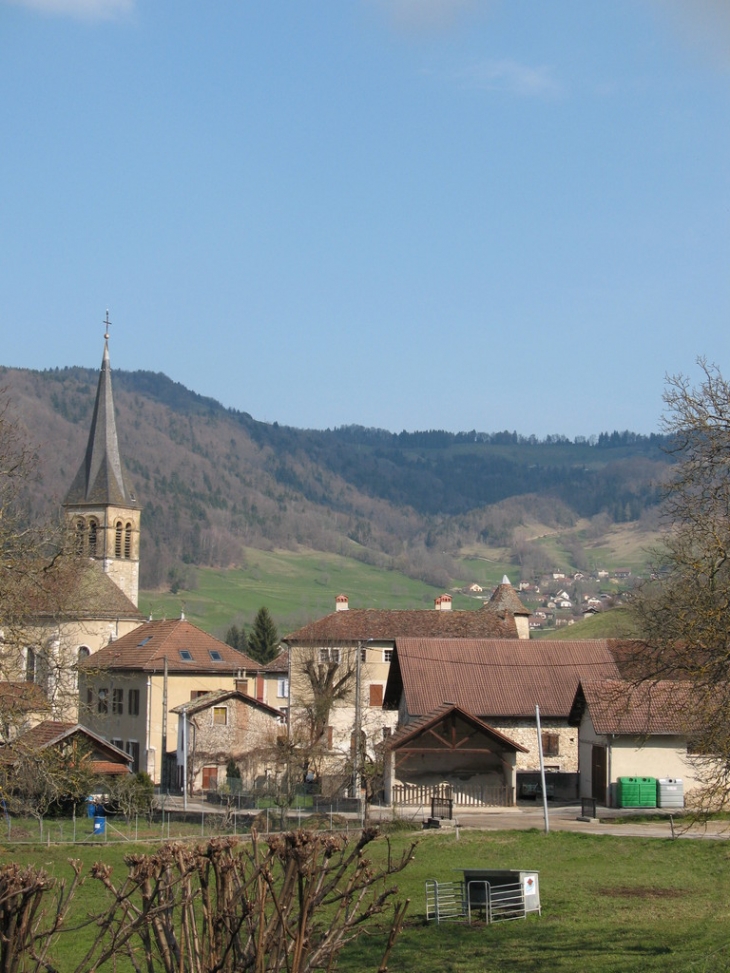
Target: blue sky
411,214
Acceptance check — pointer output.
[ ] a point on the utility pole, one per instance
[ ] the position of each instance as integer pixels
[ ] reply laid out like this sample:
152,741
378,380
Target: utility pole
542,770
358,721
163,769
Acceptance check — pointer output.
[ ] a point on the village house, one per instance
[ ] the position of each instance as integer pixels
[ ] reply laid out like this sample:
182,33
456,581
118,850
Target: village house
130,688
357,645
221,726
500,682
628,729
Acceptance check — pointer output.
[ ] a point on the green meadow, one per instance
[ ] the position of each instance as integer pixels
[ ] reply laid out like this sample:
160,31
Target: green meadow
298,586
609,904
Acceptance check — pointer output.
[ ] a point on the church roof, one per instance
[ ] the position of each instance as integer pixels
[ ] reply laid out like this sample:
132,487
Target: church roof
79,589
101,478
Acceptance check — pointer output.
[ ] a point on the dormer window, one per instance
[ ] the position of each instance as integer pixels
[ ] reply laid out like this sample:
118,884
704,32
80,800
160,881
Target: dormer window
186,655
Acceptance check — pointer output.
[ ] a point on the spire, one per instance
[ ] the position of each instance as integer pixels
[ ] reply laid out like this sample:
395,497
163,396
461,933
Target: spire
101,478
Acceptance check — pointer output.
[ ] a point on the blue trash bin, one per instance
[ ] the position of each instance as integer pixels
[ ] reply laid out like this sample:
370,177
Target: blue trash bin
99,825
90,807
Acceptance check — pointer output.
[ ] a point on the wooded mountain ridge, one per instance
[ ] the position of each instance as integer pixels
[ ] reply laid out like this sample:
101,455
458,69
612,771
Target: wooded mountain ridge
213,480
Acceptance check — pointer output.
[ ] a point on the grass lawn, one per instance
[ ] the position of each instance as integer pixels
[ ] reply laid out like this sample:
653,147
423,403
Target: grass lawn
608,904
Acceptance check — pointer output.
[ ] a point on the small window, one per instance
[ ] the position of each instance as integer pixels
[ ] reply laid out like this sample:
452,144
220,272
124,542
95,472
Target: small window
119,744
133,751
93,536
118,539
133,701
220,715
128,541
387,655
118,701
282,688
197,693
551,744
144,641
376,694
103,704
30,663
79,530
329,655
215,655
387,731
89,699
186,655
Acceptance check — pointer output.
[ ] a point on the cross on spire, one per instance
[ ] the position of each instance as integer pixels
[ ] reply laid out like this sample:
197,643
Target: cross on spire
106,322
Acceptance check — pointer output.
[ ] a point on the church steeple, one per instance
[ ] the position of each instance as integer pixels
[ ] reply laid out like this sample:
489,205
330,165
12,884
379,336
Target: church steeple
101,507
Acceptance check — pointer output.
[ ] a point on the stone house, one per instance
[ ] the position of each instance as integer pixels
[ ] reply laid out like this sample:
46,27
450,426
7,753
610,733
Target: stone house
224,725
500,682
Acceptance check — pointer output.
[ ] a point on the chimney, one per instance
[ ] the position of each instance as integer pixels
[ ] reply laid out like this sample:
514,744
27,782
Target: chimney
341,603
442,603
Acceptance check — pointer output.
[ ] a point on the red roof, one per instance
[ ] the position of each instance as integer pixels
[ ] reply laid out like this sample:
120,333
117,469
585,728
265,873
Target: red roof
648,708
186,647
495,678
105,758
385,625
408,732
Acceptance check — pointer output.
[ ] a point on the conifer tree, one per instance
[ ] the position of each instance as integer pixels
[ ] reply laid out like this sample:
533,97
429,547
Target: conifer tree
237,639
263,642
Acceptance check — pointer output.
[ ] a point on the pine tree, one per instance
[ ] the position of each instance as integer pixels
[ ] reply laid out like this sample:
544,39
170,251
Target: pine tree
237,639
263,642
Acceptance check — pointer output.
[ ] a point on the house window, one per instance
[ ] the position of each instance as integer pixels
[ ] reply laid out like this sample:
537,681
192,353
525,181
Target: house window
282,688
128,541
83,653
133,702
133,751
103,704
186,655
220,715
118,539
551,744
215,655
387,655
329,655
210,778
118,701
387,731
376,694
119,744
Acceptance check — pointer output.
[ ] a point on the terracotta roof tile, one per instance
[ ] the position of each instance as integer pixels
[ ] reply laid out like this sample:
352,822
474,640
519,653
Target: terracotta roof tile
218,696
494,677
649,708
186,648
379,624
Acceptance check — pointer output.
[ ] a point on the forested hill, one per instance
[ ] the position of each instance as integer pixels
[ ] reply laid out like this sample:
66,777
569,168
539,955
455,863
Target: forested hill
213,480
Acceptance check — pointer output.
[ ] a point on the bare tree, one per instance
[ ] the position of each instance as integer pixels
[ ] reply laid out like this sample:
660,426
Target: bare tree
684,611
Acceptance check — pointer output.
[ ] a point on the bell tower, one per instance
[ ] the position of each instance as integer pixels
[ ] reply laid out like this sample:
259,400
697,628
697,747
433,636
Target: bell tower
101,510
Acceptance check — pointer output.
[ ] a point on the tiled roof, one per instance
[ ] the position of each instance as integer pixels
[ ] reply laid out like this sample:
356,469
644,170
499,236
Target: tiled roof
279,664
51,732
380,624
219,696
648,708
417,726
495,678
79,589
186,648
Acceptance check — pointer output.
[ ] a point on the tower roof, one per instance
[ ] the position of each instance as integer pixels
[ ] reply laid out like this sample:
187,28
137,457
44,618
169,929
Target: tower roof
101,478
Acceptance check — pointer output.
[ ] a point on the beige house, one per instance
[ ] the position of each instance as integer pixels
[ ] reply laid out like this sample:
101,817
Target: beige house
221,726
333,655
130,689
633,730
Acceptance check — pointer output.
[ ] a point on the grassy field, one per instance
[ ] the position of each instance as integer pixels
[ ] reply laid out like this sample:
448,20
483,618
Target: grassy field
296,587
614,624
609,904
